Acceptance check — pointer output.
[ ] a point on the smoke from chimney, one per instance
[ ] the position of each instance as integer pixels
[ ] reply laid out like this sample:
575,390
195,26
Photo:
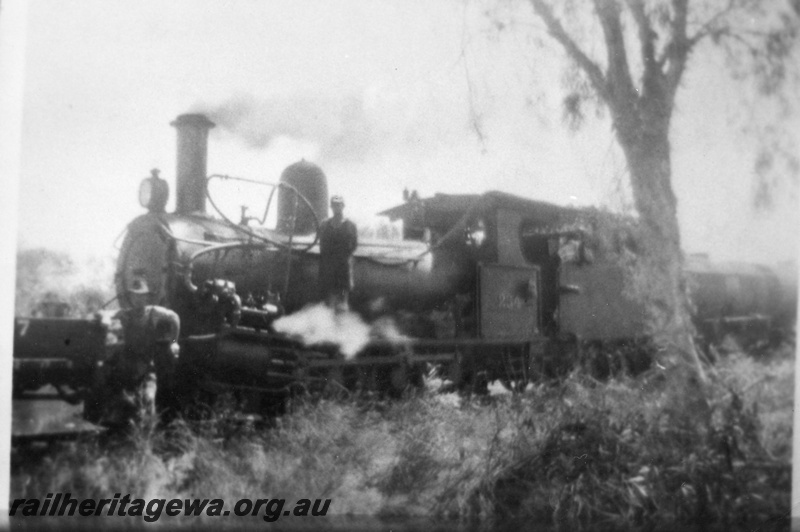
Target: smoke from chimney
340,127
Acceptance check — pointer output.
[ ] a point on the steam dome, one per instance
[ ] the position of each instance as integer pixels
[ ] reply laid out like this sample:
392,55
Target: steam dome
310,181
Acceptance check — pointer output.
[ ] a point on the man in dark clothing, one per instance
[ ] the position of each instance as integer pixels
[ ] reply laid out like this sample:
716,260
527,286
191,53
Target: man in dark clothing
338,240
138,381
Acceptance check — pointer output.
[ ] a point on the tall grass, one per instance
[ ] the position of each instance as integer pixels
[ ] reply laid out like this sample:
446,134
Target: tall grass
571,455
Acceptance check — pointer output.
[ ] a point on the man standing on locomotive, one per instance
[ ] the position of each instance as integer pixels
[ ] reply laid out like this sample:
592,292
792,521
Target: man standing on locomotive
338,239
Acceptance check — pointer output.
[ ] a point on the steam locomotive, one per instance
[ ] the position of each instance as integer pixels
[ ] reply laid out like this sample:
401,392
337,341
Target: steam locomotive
484,287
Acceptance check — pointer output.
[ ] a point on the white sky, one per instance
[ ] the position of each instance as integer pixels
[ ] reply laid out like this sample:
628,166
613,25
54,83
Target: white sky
377,93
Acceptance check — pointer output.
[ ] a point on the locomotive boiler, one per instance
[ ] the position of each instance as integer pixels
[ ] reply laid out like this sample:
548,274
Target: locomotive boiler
167,255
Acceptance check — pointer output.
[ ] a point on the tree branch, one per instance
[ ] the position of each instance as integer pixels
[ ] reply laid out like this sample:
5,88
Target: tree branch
708,28
623,93
557,31
651,75
677,51
646,33
738,37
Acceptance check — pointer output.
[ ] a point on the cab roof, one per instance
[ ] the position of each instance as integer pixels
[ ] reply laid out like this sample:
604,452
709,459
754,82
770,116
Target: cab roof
443,207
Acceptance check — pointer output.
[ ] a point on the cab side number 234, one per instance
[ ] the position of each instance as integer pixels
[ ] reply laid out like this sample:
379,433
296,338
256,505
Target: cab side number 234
509,302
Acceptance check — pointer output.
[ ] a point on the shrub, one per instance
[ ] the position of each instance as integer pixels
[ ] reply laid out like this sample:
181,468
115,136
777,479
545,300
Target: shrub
576,454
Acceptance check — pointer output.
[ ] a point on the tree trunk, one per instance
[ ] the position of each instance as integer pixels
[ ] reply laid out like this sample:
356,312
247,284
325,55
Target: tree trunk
641,117
659,275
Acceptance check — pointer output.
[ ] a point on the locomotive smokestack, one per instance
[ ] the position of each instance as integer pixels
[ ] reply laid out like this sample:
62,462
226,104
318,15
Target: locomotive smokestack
190,193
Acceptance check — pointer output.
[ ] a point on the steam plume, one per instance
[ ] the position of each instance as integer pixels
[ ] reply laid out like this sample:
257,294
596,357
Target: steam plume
319,324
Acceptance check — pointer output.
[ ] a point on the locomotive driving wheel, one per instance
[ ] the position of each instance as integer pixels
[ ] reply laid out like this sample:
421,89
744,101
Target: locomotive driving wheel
515,361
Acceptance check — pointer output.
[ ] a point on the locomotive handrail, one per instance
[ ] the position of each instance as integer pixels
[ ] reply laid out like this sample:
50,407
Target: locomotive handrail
252,234
401,262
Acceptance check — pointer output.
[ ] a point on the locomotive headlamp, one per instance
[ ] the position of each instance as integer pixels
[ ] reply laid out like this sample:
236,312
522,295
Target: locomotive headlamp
153,192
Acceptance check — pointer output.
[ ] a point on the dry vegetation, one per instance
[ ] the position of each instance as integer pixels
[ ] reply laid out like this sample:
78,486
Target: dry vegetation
577,454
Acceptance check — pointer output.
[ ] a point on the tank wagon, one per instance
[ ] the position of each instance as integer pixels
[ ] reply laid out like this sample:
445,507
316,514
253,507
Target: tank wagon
754,303
485,287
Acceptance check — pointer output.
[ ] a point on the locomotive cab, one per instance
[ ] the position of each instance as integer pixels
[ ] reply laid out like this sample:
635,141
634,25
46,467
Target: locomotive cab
497,276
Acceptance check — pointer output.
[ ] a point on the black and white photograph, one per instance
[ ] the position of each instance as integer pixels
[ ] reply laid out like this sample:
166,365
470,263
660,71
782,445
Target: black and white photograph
400,264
